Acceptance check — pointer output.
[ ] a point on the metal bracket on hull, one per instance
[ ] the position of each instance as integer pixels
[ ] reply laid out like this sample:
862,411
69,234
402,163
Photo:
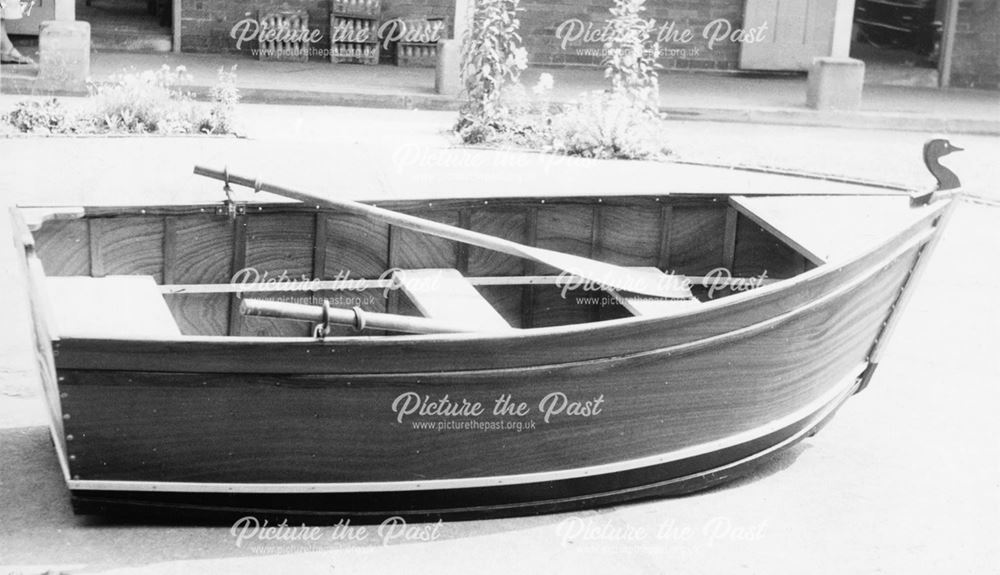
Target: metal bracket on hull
229,207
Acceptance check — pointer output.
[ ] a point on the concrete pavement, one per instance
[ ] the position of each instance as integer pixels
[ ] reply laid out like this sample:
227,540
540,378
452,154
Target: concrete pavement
903,480
776,99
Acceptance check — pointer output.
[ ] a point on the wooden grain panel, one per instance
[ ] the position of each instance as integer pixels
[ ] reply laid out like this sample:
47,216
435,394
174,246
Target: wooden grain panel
319,246
356,246
238,264
729,239
203,250
666,239
528,292
567,229
281,243
462,248
630,236
169,249
508,224
757,251
415,250
697,239
551,308
64,247
200,314
127,246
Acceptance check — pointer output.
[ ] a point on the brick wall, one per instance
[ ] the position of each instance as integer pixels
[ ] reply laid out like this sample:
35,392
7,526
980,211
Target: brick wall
976,59
542,20
206,26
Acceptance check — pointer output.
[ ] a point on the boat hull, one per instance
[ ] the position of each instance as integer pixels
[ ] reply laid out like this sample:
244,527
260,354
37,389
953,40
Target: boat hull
686,403
674,478
462,426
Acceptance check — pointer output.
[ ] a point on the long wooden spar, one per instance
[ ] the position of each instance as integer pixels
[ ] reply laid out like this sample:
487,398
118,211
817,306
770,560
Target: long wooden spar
605,274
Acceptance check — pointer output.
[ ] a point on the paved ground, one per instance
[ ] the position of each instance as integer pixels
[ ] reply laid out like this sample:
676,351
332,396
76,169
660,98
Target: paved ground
735,98
904,480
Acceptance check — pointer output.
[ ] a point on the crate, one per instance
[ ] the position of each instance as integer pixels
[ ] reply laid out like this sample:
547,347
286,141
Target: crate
416,55
354,53
418,46
283,35
356,8
353,40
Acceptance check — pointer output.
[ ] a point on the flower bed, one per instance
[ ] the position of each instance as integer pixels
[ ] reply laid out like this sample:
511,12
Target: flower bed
150,102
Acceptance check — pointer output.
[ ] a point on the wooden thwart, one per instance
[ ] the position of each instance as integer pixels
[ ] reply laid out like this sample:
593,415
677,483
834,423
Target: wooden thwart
443,294
113,307
648,306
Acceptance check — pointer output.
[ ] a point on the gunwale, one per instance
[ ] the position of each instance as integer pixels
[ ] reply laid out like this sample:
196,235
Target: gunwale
74,353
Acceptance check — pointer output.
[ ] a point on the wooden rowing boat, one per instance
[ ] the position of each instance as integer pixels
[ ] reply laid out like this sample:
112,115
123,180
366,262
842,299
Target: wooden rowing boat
219,360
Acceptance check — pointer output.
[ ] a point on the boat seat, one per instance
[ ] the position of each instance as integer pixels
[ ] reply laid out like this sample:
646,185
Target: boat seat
113,307
444,294
642,305
825,228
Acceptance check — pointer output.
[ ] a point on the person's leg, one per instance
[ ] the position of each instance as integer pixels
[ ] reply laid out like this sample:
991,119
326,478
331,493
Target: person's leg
5,45
8,53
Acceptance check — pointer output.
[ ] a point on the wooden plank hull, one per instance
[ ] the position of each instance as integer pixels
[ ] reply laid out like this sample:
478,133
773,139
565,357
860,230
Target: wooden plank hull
679,477
523,421
685,403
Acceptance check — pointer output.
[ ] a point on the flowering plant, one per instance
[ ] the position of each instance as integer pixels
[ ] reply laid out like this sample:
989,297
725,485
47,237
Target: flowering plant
631,55
492,60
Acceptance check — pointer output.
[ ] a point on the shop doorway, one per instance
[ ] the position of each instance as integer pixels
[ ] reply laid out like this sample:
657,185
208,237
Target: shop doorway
128,25
900,41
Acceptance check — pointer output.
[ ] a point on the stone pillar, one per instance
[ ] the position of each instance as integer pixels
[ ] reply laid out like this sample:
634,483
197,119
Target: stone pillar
448,76
843,28
63,55
835,84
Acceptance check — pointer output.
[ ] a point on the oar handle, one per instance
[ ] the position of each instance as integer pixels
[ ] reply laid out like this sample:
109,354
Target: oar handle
372,212
355,317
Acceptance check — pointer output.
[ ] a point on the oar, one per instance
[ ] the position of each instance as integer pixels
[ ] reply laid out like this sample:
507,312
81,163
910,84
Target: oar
326,315
602,273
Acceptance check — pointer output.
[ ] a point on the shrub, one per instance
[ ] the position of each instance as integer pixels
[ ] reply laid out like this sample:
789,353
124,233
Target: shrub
492,61
150,102
609,126
225,96
631,54
623,122
145,103
34,117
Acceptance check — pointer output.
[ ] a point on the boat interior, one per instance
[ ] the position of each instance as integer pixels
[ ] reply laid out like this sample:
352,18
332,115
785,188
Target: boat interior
174,271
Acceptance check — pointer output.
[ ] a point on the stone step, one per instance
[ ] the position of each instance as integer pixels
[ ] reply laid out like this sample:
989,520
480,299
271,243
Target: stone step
109,40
